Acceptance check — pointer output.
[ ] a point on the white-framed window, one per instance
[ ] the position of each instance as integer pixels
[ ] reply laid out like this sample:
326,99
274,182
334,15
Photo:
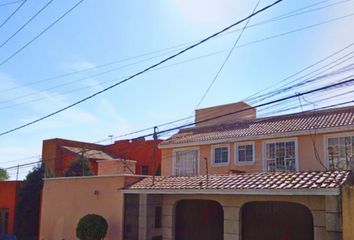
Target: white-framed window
340,151
220,155
186,162
245,153
281,155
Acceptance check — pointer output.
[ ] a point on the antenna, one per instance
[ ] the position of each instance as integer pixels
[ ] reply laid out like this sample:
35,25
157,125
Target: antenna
154,156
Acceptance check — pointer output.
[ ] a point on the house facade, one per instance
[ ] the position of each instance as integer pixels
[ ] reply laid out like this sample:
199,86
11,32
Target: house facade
8,198
240,177
246,178
312,141
58,154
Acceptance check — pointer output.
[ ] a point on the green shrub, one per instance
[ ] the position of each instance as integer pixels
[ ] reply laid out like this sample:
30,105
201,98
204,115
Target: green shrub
91,227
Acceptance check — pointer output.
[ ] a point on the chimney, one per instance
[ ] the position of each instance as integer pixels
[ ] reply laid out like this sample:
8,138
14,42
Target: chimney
212,112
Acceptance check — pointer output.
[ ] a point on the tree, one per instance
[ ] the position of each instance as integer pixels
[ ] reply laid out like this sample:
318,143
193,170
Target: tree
91,227
3,174
80,167
28,205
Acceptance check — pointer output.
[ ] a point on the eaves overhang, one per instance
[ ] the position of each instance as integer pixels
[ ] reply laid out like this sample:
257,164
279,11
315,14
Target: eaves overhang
257,137
273,192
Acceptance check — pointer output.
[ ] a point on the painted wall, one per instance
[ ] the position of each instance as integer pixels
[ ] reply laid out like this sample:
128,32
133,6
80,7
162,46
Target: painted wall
139,150
57,159
66,200
306,156
348,212
110,167
8,197
216,111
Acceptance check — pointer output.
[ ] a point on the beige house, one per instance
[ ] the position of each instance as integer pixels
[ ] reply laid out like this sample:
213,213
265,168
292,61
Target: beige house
231,177
242,177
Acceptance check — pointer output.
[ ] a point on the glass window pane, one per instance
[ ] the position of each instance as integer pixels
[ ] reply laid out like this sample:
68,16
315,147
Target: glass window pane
290,164
249,153
270,151
186,163
245,153
241,155
283,154
221,155
342,147
280,150
290,150
271,166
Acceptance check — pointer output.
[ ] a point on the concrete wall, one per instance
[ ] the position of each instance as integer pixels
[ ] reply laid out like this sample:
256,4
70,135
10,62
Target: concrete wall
348,212
8,198
306,156
139,150
66,200
110,167
56,159
325,212
147,205
207,113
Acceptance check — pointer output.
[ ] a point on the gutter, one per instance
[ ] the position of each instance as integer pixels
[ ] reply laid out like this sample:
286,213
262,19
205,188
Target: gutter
273,192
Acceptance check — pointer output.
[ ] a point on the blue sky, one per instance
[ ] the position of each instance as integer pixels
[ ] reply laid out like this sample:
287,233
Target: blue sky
98,32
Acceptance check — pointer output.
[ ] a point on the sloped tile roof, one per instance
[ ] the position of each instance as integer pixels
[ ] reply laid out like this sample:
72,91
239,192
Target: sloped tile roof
247,181
323,119
89,153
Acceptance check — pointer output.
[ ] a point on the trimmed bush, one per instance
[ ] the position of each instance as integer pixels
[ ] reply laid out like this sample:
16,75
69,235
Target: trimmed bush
91,227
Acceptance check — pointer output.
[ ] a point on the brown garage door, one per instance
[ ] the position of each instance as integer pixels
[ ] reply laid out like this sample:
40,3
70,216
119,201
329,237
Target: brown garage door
276,221
199,220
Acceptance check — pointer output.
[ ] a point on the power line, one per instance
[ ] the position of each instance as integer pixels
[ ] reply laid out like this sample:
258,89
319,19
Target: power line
10,3
332,86
302,70
143,71
120,67
262,104
14,167
226,59
186,118
179,46
306,81
26,23
21,159
98,84
41,33
12,14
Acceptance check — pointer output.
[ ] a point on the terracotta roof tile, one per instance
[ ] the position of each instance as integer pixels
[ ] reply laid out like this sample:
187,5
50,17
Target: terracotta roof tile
249,181
264,126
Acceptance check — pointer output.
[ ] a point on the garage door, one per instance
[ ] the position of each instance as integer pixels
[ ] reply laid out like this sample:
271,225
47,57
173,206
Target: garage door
199,220
276,221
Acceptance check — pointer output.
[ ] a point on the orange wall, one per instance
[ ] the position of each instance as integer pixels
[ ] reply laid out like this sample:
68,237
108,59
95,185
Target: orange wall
306,156
56,159
108,167
8,196
139,150
66,200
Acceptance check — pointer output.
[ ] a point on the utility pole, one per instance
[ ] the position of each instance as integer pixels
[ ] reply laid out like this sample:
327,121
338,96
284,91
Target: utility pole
154,156
207,170
17,171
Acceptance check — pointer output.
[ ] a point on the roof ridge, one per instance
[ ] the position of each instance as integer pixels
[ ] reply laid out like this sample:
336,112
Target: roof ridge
276,117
